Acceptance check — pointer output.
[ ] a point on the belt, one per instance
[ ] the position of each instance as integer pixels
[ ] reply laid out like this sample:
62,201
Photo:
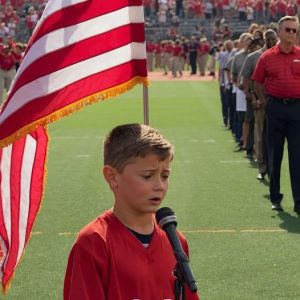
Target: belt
285,100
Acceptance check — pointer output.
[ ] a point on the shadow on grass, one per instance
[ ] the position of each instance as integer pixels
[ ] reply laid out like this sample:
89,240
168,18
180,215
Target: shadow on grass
290,223
253,163
264,182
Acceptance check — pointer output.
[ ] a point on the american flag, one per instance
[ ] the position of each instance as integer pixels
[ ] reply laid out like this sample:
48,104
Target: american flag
81,52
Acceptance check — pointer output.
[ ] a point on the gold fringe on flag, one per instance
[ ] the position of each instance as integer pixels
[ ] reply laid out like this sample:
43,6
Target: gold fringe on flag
73,107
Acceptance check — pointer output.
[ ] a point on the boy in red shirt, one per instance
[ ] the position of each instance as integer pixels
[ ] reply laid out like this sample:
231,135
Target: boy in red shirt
123,254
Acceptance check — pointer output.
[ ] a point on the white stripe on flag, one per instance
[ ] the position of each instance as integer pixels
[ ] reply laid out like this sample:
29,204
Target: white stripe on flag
53,6
26,173
57,39
57,80
5,170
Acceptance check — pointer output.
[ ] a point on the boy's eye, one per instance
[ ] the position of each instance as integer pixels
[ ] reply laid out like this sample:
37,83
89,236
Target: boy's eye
146,176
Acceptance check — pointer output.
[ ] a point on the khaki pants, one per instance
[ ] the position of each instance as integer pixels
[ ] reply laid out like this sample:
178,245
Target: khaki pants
175,65
150,56
6,78
157,58
166,61
202,61
259,140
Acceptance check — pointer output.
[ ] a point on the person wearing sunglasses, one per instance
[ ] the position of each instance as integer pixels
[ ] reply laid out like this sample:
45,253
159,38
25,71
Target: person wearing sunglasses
277,84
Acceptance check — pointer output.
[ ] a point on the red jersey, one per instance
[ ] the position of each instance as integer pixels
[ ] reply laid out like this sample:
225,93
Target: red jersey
177,50
291,9
204,48
147,3
241,4
7,62
158,48
281,7
150,47
280,72
108,262
169,48
259,6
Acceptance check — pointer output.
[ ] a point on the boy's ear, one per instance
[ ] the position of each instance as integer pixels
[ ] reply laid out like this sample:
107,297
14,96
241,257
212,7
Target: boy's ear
110,175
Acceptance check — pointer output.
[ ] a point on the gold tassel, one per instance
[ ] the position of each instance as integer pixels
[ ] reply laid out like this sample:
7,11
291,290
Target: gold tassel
78,105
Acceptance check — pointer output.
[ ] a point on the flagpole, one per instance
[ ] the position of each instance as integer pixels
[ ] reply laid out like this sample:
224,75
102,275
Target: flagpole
146,105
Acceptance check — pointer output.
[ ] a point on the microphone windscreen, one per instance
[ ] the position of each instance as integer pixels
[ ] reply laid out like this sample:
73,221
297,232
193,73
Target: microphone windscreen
165,216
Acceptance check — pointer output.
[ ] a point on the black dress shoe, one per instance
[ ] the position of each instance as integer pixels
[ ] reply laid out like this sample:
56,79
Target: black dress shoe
277,207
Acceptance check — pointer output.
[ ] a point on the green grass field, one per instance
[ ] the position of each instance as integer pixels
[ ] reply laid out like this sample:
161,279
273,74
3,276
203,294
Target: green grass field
240,249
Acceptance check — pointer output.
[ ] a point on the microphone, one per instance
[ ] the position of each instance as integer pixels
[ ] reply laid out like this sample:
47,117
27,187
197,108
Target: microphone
167,221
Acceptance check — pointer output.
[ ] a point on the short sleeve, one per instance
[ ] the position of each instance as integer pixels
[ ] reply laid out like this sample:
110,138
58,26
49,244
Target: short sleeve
247,67
82,278
259,73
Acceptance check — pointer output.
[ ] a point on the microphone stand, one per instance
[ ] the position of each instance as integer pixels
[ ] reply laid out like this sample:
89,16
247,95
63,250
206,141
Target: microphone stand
179,289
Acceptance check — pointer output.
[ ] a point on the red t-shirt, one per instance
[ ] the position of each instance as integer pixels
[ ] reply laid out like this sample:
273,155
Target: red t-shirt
108,262
279,72
169,48
150,47
7,62
177,50
157,48
259,6
291,9
281,7
204,48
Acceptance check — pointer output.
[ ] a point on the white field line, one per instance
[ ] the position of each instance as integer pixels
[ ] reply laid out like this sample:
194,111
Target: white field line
234,161
267,230
234,230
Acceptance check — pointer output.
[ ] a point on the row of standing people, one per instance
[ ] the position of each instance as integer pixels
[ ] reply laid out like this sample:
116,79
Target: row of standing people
176,56
11,54
260,96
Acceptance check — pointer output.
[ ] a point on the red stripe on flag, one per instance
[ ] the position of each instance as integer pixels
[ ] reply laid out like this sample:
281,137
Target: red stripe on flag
44,106
3,232
18,163
81,51
57,77
78,13
38,177
15,192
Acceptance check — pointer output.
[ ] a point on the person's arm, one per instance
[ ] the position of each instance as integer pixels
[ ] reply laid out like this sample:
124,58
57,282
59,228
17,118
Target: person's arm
82,279
259,76
233,71
260,92
246,87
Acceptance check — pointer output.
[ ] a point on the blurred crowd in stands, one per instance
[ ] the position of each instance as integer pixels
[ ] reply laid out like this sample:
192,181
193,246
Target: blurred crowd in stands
197,49
18,20
174,11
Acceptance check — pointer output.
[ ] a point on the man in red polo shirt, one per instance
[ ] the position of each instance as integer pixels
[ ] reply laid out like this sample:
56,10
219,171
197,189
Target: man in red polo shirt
277,83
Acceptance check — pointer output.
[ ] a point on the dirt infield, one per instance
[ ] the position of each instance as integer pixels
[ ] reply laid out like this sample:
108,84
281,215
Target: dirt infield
158,76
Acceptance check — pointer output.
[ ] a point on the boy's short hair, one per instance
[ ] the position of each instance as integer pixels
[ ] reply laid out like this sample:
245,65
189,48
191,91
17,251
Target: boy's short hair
127,142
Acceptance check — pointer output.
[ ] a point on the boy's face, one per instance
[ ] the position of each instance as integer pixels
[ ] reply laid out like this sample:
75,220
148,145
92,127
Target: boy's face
142,185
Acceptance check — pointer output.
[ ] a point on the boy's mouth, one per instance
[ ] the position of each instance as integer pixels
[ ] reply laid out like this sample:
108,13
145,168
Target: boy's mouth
156,199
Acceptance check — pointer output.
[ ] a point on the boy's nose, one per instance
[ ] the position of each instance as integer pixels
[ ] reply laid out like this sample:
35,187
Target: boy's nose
159,184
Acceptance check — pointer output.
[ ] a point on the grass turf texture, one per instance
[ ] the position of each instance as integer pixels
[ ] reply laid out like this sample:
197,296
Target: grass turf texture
240,249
